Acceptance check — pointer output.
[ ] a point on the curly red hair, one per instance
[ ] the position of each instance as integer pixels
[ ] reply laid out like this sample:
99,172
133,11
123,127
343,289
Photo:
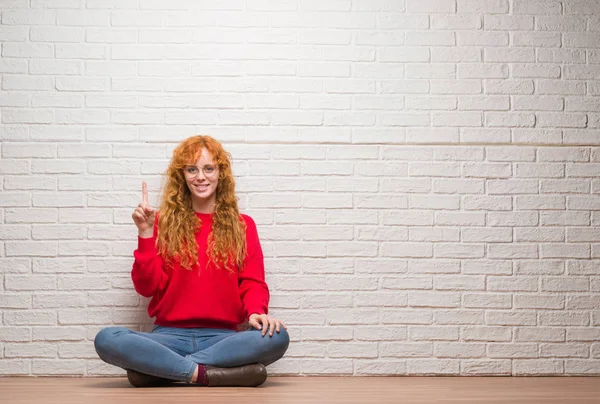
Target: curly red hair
177,222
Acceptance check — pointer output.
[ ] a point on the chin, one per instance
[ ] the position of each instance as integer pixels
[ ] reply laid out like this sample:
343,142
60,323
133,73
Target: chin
204,195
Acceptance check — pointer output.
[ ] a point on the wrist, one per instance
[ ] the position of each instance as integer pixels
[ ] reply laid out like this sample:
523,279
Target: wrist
145,233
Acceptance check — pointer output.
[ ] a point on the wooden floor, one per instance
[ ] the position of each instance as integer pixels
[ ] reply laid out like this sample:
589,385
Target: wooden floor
308,390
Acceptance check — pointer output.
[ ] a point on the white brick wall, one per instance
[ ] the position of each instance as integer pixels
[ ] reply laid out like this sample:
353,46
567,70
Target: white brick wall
424,173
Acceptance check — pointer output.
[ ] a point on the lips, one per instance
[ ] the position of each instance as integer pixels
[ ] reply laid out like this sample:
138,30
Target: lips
201,188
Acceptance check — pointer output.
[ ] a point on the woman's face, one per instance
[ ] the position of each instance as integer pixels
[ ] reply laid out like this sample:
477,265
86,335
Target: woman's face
202,179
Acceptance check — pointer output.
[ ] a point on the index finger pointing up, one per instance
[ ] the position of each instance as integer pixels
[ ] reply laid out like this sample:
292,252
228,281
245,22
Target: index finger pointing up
144,193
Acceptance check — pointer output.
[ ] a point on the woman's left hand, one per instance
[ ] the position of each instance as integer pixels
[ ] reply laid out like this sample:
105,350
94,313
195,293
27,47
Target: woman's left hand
264,322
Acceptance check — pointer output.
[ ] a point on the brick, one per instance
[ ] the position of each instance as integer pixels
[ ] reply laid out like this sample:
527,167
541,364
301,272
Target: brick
432,366
487,300
561,284
512,186
510,318
588,334
481,70
539,334
583,72
408,316
333,217
27,50
380,266
460,219
433,169
489,334
565,218
509,22
406,250
15,300
583,136
564,318
565,251
433,299
406,349
430,234
522,367
56,34
494,86
353,350
376,299
327,333
510,119
15,334
30,350
507,55
15,265
486,367
580,202
465,186
538,39
433,333
582,367
29,318
30,248
430,6
355,316
581,267
584,302
14,367
543,136
455,22
461,317
539,301
459,250
495,267
433,135
458,86
433,267
537,7
459,350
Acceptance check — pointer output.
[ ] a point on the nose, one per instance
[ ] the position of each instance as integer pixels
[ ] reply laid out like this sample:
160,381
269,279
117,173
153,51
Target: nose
200,174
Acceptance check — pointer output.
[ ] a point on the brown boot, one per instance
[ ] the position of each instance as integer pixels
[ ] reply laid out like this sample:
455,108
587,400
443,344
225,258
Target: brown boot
245,376
138,379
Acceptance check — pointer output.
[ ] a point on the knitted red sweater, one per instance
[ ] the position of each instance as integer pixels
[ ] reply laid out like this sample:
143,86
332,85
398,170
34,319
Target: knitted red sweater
205,297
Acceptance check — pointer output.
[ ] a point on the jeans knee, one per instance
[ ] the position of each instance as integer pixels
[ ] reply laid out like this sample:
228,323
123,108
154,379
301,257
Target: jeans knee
276,347
281,341
105,340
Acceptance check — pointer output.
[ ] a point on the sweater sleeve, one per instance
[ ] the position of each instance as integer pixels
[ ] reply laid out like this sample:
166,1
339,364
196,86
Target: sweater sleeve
254,291
147,273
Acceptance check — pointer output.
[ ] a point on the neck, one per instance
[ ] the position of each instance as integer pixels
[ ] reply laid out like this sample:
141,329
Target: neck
204,206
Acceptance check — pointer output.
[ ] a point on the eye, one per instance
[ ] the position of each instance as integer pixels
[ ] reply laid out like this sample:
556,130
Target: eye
191,170
209,169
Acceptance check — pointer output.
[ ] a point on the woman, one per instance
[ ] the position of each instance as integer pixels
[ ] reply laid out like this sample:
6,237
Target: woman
201,262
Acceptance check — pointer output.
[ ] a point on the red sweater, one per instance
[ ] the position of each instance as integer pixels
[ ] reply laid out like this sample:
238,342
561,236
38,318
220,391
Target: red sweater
205,297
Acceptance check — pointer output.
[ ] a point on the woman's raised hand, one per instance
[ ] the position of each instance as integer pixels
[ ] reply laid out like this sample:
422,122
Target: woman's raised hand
143,215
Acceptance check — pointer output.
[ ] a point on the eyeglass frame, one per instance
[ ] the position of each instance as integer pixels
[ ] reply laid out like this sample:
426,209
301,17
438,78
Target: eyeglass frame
203,170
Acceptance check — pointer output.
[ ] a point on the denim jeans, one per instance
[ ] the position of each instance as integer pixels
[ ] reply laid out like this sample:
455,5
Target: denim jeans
173,353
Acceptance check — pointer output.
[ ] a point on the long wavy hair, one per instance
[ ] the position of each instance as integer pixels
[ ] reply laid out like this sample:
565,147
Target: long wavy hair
177,222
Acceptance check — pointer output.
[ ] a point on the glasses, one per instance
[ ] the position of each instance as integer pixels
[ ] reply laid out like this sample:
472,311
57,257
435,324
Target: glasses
209,171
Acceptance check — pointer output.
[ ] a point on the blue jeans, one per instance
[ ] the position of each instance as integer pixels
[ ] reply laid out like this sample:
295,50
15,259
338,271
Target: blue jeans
173,353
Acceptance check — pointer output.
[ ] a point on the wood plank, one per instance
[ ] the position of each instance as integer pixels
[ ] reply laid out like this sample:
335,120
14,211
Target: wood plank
305,390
